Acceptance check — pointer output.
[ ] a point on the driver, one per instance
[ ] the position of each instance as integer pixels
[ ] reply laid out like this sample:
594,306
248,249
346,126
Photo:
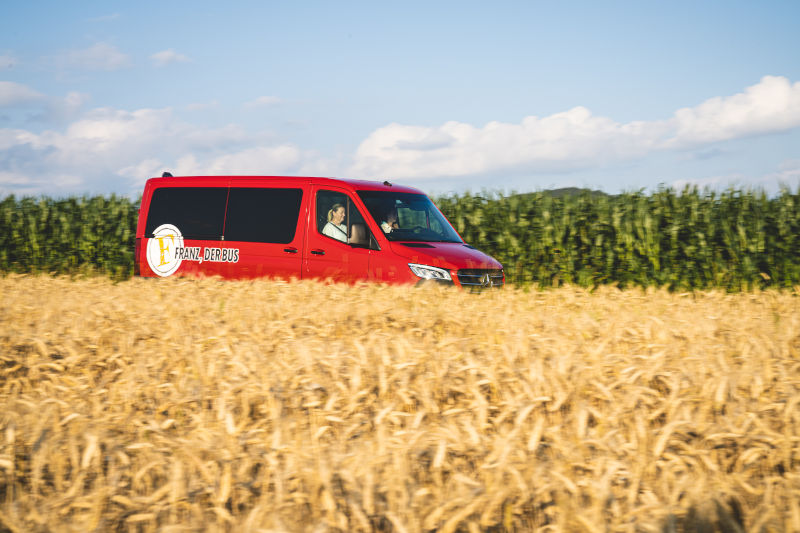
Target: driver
390,220
335,227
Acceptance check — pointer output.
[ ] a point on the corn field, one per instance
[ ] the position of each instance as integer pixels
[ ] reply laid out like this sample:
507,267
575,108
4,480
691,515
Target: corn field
735,240
68,236
693,240
189,405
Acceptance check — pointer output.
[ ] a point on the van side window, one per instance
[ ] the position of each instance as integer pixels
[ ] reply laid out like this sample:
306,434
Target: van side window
198,212
339,219
262,214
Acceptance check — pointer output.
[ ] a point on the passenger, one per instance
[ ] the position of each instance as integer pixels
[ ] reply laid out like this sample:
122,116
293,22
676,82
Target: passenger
390,220
335,228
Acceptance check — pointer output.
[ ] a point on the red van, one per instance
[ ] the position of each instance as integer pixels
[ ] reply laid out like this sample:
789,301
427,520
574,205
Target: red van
241,227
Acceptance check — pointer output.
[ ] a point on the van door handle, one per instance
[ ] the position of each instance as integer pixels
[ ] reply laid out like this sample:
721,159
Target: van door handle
318,252
290,250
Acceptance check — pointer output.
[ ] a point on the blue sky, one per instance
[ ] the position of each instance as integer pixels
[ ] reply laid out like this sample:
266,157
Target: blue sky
95,97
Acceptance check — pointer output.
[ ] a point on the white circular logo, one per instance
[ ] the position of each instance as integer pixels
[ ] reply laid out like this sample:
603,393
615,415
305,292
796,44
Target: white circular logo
162,250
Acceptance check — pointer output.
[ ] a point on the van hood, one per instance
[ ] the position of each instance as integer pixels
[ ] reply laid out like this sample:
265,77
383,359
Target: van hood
448,255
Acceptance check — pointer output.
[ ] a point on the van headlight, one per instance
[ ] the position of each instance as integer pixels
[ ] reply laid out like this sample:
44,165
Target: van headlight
429,272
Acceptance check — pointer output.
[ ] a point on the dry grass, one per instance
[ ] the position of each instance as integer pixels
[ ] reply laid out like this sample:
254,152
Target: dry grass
168,405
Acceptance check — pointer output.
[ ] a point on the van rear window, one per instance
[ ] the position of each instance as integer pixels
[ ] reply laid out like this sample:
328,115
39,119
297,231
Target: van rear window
262,214
198,212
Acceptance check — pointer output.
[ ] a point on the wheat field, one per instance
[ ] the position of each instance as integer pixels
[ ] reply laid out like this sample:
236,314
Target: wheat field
178,405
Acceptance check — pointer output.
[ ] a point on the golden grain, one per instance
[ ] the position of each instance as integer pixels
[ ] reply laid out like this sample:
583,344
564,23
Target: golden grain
173,405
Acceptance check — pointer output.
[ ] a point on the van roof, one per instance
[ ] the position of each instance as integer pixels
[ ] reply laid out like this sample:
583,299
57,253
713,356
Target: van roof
352,183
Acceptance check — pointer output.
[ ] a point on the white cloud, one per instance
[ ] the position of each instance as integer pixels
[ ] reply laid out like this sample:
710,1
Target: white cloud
138,173
66,108
108,149
12,94
100,56
315,164
10,138
168,57
75,100
572,139
22,184
257,160
11,179
264,101
769,106
111,137
43,108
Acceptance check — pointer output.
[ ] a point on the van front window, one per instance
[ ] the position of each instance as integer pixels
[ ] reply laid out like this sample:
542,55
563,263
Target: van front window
408,217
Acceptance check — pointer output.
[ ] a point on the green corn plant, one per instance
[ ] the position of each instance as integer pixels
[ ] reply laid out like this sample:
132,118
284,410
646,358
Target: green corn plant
68,236
683,240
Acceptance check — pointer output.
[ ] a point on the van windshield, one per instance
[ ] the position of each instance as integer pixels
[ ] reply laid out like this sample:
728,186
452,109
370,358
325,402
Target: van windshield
408,217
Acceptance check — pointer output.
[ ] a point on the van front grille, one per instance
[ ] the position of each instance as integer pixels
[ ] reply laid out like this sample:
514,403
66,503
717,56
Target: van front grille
479,278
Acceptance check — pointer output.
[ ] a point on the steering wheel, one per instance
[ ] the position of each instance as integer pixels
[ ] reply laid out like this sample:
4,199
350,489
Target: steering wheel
418,229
